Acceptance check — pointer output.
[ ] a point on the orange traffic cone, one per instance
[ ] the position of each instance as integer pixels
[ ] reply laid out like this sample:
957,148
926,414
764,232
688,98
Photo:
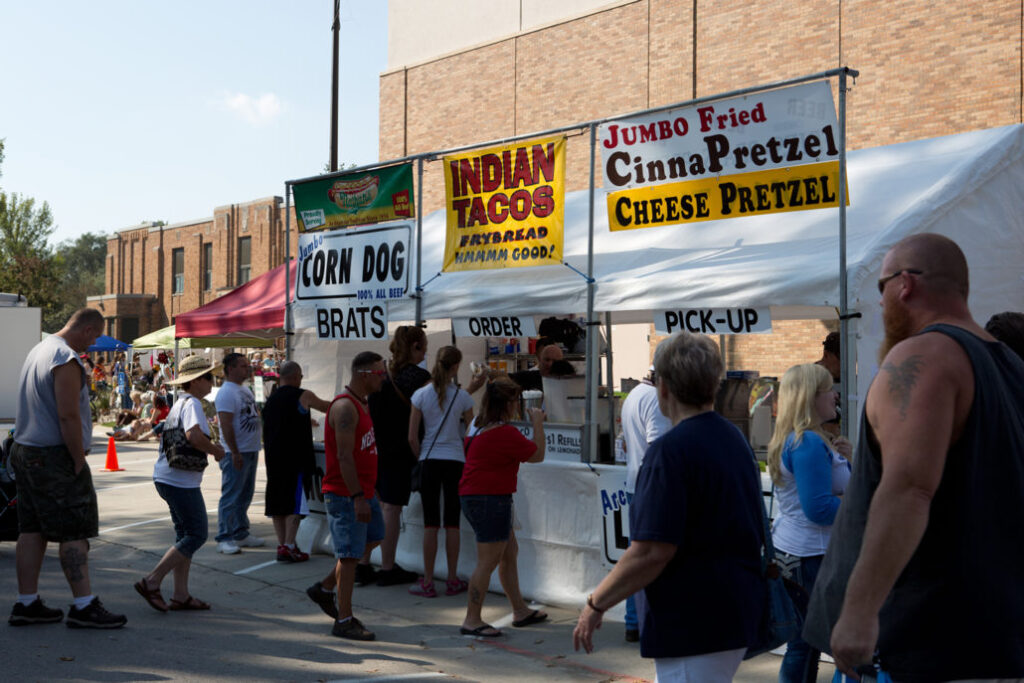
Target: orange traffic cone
112,465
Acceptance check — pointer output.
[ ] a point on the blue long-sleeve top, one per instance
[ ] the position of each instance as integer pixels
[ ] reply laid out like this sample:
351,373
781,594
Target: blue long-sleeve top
813,477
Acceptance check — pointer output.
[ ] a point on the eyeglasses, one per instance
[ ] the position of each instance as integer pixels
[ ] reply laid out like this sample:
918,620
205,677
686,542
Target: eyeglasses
379,373
884,280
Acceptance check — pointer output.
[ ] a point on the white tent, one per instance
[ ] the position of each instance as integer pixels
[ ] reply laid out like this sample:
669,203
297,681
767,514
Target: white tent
969,187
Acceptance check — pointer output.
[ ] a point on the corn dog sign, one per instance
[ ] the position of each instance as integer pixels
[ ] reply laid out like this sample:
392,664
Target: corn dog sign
383,194
505,206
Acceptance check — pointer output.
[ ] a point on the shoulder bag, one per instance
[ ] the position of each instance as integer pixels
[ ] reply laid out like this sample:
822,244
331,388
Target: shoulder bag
785,600
416,481
180,454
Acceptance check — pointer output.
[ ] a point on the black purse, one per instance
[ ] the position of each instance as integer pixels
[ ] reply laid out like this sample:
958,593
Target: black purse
180,454
416,476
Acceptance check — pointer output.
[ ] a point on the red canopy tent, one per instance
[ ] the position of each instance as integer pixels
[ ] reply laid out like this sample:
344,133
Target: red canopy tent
255,309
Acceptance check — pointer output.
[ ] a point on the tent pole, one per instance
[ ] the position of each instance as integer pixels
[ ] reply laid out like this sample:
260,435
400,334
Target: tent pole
844,322
419,241
590,445
287,270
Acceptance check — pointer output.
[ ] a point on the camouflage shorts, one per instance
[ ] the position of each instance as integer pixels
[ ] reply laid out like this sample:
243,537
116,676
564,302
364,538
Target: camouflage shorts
52,499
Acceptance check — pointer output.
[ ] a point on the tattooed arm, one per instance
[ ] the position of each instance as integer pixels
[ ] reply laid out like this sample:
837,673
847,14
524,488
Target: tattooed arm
344,418
916,407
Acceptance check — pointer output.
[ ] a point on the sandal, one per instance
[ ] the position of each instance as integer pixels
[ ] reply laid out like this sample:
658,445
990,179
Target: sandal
535,617
479,631
189,604
151,595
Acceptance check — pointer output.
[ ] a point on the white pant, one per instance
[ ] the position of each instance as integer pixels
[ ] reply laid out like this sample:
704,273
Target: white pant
713,667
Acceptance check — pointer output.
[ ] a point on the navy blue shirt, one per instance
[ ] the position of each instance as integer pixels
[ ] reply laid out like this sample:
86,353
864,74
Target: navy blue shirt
699,489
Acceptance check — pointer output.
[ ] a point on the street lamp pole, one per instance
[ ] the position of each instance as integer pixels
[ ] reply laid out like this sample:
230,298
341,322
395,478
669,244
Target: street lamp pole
336,29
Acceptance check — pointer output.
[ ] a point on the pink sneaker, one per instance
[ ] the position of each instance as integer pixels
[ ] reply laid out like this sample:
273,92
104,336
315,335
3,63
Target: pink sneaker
455,587
424,590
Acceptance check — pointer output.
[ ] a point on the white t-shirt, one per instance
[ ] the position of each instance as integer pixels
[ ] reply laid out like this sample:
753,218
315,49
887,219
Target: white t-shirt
642,424
187,411
239,401
449,441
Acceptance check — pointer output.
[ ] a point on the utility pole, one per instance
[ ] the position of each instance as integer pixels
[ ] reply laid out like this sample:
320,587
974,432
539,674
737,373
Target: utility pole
336,29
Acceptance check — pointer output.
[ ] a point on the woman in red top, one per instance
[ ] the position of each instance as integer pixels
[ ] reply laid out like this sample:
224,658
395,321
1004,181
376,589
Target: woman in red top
493,456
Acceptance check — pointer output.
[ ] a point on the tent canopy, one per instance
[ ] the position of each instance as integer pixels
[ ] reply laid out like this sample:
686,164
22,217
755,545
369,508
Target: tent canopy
164,339
256,309
105,343
777,260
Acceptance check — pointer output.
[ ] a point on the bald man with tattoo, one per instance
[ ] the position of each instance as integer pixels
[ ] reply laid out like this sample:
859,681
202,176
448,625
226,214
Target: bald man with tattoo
56,498
924,573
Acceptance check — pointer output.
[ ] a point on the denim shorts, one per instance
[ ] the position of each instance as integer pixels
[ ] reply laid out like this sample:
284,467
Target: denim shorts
490,516
350,537
188,512
52,500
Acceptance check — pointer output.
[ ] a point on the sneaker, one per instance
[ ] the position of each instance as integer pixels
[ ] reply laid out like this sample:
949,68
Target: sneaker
288,554
395,576
352,629
365,574
250,542
228,548
632,635
325,599
94,615
34,613
455,587
423,589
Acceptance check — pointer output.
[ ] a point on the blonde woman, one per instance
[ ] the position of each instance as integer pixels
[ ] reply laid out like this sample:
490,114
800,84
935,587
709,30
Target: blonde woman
810,471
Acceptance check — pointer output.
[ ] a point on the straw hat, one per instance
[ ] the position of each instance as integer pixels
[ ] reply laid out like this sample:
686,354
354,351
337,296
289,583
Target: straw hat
193,367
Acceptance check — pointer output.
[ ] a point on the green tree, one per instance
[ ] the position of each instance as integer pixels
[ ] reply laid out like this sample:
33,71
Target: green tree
27,266
81,262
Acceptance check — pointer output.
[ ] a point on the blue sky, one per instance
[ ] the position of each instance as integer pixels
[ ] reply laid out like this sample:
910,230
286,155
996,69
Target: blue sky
119,111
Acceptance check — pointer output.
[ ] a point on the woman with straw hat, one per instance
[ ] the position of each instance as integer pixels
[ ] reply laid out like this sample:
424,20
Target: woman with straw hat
180,489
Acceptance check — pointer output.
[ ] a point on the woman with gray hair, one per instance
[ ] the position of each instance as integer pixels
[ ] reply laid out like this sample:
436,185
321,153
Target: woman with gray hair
695,553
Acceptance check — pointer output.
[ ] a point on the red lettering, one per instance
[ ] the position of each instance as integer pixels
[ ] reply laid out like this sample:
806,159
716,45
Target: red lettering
519,204
543,201
496,213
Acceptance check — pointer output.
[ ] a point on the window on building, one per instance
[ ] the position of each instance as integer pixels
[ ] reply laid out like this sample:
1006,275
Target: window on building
129,329
208,266
244,259
178,268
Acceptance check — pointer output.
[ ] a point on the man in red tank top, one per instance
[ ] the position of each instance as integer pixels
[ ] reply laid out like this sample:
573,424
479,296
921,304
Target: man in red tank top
353,511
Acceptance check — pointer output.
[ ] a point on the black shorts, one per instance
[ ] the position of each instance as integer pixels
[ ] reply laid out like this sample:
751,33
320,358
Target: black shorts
52,499
441,476
394,478
284,493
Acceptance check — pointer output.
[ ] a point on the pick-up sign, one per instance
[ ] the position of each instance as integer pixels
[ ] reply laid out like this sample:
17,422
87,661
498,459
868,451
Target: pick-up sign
714,320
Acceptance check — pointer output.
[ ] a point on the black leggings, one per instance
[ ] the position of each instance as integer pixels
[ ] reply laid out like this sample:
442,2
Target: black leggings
441,475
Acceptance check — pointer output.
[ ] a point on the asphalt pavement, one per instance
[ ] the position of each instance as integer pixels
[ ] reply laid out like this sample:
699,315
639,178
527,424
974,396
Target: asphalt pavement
262,626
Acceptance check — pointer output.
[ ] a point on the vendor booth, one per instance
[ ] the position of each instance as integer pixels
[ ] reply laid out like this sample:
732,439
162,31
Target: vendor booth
740,273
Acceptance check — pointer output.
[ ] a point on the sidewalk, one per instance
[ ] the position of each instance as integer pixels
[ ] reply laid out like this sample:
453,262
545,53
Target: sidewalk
263,626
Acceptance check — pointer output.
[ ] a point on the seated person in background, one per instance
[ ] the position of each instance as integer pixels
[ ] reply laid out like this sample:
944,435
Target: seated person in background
831,361
1008,328
548,351
129,415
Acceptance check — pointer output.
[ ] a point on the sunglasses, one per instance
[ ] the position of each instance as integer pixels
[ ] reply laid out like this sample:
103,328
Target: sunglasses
379,373
882,282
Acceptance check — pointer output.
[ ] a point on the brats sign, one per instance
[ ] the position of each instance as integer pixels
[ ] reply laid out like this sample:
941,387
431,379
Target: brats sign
735,157
505,206
383,194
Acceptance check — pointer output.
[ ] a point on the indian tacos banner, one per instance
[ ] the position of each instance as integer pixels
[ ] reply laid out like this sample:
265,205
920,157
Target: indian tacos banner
505,206
383,194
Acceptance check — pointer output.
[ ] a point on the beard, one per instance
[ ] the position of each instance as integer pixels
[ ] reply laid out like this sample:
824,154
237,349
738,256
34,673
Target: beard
898,327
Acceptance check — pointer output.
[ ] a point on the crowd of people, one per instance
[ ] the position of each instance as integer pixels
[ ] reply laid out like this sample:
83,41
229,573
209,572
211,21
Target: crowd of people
885,552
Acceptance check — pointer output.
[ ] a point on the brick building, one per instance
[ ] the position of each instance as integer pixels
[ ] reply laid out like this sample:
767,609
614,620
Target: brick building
461,72
154,272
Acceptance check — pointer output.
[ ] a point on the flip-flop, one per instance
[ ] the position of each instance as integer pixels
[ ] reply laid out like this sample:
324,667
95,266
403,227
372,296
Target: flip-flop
189,604
479,631
535,617
152,596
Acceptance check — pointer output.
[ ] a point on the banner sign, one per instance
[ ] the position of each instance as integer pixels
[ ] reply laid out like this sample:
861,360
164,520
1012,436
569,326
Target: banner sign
614,513
345,319
494,326
505,206
363,264
773,129
799,188
714,320
384,194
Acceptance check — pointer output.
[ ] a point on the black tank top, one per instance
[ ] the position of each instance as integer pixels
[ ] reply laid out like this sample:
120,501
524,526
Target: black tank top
957,610
287,432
